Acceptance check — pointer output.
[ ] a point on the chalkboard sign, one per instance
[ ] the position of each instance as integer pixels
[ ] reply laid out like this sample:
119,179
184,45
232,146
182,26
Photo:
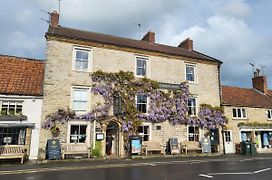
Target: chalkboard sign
53,149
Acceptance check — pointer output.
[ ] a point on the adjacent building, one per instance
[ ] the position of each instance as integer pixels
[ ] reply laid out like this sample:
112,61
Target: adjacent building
21,91
73,54
249,113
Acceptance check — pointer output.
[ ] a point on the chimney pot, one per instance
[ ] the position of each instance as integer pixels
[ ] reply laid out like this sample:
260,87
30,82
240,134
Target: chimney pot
187,44
149,37
54,19
260,83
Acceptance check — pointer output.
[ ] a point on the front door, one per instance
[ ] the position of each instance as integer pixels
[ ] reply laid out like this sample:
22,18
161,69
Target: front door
112,139
228,142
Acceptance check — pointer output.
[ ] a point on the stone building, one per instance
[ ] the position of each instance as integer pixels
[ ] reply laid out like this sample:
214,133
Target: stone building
249,113
21,90
73,54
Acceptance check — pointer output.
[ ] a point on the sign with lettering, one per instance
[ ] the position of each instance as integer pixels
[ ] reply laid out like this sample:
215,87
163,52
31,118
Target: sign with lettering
169,86
136,145
99,136
53,149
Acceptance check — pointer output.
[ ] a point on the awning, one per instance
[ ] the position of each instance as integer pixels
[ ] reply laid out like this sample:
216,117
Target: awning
9,125
13,118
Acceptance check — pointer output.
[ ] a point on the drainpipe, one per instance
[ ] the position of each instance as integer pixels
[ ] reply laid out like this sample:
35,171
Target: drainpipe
94,133
224,150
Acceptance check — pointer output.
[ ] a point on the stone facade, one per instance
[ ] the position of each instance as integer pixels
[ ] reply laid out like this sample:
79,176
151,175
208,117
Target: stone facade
60,78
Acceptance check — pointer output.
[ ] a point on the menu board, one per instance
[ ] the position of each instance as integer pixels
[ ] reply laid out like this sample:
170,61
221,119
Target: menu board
53,149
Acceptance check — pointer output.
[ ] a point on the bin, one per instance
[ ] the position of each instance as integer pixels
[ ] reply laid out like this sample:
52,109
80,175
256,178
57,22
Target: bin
246,148
253,150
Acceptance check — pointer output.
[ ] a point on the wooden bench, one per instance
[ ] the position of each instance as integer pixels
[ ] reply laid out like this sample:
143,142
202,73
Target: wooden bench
12,152
151,146
190,146
74,148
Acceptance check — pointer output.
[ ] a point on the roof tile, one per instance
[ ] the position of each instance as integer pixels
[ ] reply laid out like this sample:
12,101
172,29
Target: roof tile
21,76
236,96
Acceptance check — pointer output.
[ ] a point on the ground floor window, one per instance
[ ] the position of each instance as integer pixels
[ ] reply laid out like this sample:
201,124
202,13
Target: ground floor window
193,133
144,132
78,133
12,136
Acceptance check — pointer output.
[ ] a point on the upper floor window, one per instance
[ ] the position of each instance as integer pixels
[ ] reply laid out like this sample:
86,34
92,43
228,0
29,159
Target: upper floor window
141,103
190,72
11,107
192,106
239,113
269,114
80,100
141,66
81,59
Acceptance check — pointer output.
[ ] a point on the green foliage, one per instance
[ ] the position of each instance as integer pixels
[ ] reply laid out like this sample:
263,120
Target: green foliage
254,124
97,151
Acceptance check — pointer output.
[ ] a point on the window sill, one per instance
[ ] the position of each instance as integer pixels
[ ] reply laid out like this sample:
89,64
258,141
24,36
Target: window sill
239,118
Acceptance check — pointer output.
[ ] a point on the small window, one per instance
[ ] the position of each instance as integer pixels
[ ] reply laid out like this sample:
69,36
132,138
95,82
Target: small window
141,66
192,107
269,114
82,59
193,133
80,100
190,73
239,113
144,132
11,108
78,134
141,103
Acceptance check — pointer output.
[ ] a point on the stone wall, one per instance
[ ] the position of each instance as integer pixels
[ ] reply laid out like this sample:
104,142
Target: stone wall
59,79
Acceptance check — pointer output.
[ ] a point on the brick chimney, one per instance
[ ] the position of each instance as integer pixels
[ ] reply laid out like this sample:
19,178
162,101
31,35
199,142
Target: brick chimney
259,82
54,19
149,37
187,44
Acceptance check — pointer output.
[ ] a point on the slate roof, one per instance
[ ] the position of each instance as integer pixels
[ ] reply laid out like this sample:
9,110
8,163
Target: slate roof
236,96
21,76
75,34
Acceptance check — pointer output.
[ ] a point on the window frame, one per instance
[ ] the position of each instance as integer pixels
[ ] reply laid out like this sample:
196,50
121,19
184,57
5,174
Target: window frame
78,123
149,125
237,113
19,132
86,49
196,106
194,134
87,102
146,69
269,112
147,103
16,104
195,73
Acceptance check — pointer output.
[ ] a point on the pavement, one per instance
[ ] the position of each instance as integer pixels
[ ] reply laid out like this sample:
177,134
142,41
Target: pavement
97,163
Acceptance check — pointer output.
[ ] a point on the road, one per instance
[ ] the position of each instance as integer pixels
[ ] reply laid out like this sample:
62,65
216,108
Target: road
164,169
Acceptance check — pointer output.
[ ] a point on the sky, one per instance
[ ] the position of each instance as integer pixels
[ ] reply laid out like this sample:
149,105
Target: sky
237,32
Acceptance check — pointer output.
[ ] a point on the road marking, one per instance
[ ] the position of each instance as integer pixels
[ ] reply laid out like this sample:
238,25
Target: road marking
231,173
205,175
261,170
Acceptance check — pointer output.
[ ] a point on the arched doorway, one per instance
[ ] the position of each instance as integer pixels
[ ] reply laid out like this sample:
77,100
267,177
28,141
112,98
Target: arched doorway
112,139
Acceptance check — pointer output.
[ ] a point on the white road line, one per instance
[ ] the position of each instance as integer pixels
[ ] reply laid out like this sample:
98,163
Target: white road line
205,175
231,173
261,170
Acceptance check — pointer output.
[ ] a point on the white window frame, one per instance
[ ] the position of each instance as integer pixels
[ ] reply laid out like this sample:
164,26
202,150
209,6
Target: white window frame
147,66
241,110
195,73
9,102
269,111
199,133
88,131
147,102
89,50
88,89
196,107
150,131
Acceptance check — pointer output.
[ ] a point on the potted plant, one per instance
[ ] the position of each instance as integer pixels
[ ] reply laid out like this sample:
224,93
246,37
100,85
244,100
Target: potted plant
55,131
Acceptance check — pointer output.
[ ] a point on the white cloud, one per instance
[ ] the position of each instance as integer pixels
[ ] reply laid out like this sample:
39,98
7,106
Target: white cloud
236,8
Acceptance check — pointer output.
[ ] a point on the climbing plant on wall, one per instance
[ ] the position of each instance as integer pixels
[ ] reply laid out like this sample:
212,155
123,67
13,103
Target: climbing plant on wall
164,105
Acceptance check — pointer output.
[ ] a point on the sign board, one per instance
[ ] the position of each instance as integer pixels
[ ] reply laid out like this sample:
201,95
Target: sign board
174,147
214,136
206,145
53,149
99,136
136,145
169,86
